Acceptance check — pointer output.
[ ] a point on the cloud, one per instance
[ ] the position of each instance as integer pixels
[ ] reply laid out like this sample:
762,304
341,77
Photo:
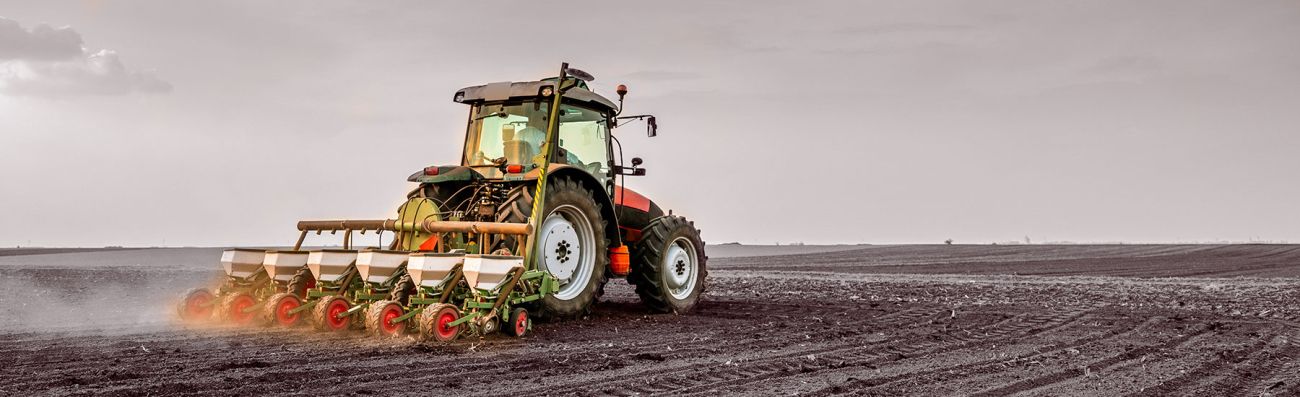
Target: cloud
42,43
49,62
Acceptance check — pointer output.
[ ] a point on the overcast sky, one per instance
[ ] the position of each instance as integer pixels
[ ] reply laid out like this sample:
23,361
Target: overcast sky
223,123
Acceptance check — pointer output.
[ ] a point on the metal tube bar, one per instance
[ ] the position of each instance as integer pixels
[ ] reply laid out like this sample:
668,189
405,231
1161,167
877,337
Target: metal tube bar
427,226
457,271
304,307
303,236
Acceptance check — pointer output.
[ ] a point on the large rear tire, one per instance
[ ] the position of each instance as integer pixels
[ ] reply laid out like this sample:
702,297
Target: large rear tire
301,282
571,244
668,265
402,290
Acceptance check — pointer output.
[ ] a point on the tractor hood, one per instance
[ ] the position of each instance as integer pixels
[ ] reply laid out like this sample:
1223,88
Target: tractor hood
445,173
505,91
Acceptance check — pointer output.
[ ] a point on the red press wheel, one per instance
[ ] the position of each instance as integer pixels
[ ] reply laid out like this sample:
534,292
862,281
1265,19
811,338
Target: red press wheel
434,324
379,320
236,308
328,314
518,323
278,310
196,305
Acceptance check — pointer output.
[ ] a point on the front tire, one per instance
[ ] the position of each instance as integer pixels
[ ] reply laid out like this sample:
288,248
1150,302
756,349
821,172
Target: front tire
668,265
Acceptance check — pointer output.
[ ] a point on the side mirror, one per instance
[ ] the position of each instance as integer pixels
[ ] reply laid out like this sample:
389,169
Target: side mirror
652,128
634,170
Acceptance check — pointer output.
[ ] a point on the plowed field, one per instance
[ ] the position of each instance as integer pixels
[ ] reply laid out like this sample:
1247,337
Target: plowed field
888,320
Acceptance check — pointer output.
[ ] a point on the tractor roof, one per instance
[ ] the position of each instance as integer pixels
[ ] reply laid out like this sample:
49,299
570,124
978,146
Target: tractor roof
530,89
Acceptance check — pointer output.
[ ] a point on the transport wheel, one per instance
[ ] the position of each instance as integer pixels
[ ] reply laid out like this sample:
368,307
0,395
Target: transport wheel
380,316
196,305
571,244
434,320
276,311
235,308
668,265
326,314
518,323
301,282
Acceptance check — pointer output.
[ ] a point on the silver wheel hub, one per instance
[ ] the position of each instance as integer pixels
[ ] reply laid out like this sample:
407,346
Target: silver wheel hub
680,268
567,249
560,244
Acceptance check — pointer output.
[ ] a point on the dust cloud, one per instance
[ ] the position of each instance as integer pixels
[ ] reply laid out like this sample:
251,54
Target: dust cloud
110,292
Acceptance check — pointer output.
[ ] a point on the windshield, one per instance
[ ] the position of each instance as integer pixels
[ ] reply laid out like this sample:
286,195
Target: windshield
515,132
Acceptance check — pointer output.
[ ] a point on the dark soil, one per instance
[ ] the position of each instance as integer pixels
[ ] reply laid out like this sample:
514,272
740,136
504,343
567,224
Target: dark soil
820,324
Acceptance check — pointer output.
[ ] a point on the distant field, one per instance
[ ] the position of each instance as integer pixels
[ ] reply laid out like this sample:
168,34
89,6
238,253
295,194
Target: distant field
42,251
1254,260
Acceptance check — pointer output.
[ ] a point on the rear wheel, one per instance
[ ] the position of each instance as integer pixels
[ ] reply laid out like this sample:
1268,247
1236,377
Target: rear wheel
380,316
196,305
402,290
434,323
571,244
668,265
278,308
327,314
301,282
238,308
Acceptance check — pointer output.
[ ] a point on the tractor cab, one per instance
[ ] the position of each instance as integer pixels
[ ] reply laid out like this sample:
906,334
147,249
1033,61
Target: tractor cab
507,128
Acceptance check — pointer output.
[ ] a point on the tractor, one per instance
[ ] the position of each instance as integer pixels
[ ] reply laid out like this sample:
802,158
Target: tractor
533,222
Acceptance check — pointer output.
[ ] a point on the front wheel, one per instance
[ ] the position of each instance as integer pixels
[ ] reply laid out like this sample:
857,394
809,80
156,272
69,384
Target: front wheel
668,265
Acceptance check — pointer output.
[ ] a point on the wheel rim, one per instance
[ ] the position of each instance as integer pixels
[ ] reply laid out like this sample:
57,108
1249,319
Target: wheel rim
337,307
282,309
521,324
680,268
239,309
568,250
198,305
444,332
386,323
